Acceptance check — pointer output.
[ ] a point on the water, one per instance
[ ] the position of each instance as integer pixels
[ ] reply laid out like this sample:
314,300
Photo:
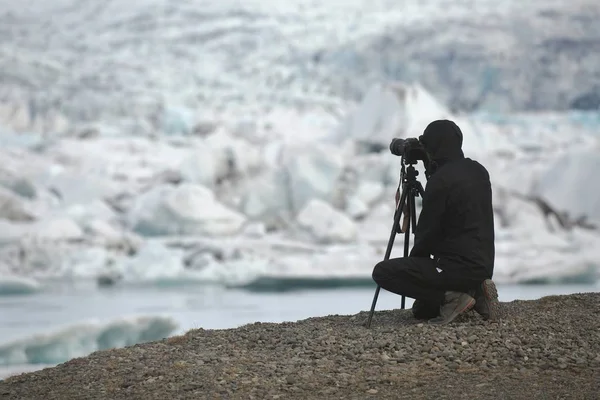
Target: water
203,306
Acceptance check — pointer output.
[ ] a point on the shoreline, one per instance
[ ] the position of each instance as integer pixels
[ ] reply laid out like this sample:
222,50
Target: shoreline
548,348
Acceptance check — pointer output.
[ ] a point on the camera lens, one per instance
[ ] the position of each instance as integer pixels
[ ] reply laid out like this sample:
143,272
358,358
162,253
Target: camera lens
397,146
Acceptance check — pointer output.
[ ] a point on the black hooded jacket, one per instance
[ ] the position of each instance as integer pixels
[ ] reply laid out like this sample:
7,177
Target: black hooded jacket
456,224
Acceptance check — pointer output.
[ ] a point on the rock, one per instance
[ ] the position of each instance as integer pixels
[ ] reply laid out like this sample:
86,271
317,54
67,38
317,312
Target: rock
182,210
325,223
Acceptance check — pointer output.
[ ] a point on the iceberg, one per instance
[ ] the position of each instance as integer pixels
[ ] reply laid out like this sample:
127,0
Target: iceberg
568,185
81,339
398,109
326,224
17,285
186,209
100,205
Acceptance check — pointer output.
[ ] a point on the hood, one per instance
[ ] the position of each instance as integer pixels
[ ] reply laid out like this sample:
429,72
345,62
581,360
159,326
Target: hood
443,141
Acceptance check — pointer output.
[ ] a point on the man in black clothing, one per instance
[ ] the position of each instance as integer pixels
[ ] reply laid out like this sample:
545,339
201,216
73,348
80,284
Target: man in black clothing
450,267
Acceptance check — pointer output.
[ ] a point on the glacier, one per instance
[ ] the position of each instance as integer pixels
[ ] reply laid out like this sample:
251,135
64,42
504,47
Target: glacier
180,67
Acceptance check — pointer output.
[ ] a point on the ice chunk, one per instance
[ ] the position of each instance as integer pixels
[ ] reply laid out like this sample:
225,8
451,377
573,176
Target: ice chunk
152,262
257,229
72,187
302,173
219,157
201,166
108,234
84,338
266,199
88,262
568,185
57,229
356,208
51,228
375,167
97,209
12,284
14,208
369,191
311,173
400,110
236,156
20,185
325,223
186,209
177,120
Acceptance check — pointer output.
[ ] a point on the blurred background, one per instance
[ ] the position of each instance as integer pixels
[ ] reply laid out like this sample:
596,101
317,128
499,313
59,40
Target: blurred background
169,165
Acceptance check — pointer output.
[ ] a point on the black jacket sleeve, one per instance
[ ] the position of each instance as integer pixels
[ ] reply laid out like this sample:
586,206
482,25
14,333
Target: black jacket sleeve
429,228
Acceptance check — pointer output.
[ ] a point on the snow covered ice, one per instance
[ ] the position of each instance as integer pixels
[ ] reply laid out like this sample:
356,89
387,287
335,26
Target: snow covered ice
139,209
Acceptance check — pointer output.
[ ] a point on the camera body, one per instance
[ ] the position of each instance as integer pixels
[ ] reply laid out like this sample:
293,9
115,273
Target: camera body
410,149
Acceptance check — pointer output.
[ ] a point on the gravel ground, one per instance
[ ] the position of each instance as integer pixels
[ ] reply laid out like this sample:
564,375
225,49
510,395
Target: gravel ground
542,349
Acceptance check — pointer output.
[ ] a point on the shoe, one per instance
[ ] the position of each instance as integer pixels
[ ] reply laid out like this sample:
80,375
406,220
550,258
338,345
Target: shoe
455,304
422,310
487,304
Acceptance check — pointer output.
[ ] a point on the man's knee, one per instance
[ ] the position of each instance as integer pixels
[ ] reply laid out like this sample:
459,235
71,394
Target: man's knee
379,272
387,269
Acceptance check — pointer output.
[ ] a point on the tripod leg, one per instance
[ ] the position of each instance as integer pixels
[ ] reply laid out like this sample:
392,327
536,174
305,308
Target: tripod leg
410,201
388,251
413,215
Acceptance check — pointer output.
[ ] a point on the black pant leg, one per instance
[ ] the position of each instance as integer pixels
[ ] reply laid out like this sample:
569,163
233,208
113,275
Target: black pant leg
413,277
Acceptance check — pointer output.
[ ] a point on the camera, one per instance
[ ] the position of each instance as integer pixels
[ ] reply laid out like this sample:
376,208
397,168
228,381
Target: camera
411,150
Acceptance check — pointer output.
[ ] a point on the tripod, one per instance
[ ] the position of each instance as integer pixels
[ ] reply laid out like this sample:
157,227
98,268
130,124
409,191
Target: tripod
411,188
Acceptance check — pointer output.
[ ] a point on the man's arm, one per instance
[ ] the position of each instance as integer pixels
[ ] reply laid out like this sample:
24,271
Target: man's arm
429,227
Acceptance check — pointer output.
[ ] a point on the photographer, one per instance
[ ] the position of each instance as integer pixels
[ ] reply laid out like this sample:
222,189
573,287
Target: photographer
450,267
